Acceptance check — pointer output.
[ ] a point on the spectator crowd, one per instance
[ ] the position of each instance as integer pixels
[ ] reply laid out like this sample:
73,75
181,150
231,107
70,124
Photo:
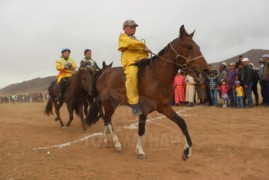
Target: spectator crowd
22,98
233,84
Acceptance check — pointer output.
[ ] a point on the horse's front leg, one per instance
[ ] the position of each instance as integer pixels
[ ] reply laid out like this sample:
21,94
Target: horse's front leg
141,131
80,108
70,111
172,115
86,105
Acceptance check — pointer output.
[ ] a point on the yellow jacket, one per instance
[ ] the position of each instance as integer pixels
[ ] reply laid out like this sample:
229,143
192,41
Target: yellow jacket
132,50
60,66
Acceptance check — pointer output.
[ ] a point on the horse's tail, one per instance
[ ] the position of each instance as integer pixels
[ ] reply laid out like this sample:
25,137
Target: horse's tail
49,106
94,113
48,110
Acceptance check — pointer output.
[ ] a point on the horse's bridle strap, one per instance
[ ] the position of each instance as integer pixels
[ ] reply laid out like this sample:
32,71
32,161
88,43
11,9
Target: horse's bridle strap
181,66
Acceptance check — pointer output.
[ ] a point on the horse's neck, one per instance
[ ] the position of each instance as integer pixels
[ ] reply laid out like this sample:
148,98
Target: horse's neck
73,85
165,70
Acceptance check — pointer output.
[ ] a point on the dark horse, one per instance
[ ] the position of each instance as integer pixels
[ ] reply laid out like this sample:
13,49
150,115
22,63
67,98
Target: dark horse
77,91
89,102
156,76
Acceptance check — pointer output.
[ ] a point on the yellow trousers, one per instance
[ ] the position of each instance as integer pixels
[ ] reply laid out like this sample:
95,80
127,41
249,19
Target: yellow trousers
131,83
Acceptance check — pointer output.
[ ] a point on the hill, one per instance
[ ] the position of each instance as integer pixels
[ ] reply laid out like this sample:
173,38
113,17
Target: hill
34,85
253,56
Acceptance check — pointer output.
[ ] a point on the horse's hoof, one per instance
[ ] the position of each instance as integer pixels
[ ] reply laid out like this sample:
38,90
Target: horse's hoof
63,127
141,156
185,154
118,148
184,157
105,140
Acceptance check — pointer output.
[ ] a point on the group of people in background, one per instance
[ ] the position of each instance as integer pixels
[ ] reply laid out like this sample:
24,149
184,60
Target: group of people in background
233,84
31,97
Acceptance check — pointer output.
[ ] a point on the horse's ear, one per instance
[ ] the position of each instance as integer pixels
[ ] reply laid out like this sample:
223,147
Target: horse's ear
182,32
110,65
191,35
104,64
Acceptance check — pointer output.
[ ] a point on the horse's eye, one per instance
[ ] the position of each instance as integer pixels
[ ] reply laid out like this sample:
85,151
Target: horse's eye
189,46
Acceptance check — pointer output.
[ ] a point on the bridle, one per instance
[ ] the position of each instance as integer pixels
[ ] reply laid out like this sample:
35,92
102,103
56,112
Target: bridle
183,67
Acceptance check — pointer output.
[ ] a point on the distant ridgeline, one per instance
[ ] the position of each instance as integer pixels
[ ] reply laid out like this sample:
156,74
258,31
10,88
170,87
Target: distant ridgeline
253,56
34,85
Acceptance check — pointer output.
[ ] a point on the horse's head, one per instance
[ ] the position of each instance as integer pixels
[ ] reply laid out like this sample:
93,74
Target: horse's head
189,55
86,76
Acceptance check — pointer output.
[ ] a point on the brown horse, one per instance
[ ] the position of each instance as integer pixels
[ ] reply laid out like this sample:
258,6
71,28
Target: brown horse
156,76
77,91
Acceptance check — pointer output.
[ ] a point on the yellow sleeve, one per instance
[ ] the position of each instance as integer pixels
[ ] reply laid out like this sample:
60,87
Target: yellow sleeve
59,66
126,42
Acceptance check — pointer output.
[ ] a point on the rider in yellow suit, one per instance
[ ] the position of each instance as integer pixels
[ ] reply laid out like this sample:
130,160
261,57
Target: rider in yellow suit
66,66
133,51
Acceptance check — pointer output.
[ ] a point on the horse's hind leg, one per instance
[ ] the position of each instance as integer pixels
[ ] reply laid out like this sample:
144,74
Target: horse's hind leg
109,110
141,131
170,113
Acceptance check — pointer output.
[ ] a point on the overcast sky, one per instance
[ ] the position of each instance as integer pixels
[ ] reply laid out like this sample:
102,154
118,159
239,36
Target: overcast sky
33,32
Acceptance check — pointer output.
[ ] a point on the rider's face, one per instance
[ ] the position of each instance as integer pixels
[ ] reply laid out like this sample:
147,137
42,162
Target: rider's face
88,55
66,54
130,30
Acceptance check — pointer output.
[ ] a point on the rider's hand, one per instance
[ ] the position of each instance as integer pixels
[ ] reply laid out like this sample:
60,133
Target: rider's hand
147,50
68,66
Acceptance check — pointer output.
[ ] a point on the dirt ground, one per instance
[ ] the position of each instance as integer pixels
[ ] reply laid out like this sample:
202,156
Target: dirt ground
228,144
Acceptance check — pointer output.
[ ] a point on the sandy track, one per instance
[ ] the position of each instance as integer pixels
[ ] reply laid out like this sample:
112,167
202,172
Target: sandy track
228,144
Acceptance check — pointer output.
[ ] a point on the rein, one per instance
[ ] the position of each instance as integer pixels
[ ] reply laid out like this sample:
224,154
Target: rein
183,67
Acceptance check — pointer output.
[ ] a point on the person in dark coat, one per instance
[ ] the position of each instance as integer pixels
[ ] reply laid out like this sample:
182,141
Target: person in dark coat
247,81
255,74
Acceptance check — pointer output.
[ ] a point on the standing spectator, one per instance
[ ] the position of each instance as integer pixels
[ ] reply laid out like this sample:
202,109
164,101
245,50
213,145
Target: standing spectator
224,93
201,90
266,74
213,86
239,91
265,99
222,73
210,102
179,86
239,60
247,81
13,98
240,71
190,90
255,73
232,77
225,66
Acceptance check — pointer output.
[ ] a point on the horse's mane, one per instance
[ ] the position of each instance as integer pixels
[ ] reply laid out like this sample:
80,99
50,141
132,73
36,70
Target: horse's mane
144,62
